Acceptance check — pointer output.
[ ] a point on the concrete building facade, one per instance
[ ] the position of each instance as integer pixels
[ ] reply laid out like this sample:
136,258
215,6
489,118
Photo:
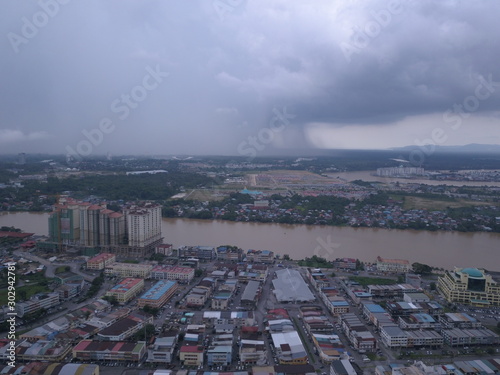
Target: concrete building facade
158,294
128,270
100,261
393,265
126,290
469,286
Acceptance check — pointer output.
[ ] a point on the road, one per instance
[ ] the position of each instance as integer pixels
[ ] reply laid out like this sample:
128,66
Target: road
265,303
50,273
343,338
69,307
51,267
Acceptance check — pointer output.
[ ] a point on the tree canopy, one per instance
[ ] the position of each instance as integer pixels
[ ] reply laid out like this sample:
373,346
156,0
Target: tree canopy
421,269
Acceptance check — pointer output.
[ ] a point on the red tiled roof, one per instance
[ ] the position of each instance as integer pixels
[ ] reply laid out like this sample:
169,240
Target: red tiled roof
82,345
191,349
15,234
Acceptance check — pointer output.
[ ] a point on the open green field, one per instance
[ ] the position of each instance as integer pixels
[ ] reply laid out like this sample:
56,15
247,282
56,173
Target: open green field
35,278
364,281
62,269
30,290
31,284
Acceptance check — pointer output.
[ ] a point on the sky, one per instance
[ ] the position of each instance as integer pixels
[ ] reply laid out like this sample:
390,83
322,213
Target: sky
246,77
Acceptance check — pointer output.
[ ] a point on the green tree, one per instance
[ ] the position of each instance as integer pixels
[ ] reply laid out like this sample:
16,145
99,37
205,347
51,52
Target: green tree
22,294
229,215
150,310
421,269
35,315
144,334
432,285
157,257
111,299
359,265
168,212
205,214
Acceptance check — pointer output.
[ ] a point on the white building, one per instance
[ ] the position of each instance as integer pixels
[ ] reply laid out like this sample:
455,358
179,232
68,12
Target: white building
253,352
393,265
162,351
400,171
393,337
143,224
289,348
38,302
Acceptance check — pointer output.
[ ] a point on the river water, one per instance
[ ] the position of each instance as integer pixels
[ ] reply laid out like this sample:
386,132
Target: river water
439,249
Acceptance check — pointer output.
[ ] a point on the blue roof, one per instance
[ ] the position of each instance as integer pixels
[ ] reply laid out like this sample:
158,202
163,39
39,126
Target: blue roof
159,289
374,308
251,192
434,305
472,272
424,318
362,294
209,248
467,316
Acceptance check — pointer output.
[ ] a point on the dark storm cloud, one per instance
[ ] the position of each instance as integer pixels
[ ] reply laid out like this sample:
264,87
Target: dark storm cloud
230,63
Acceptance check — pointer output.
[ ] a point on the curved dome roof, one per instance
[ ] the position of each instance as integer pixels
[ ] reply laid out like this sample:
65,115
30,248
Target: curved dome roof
472,272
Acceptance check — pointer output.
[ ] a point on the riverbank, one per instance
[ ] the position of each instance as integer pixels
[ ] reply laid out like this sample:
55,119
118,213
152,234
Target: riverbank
379,216
439,249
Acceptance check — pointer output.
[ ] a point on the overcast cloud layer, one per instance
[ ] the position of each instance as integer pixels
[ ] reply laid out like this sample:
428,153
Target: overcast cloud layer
246,76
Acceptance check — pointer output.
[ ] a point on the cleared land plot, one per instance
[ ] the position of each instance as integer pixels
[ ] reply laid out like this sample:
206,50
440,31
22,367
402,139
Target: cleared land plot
283,178
205,195
419,203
